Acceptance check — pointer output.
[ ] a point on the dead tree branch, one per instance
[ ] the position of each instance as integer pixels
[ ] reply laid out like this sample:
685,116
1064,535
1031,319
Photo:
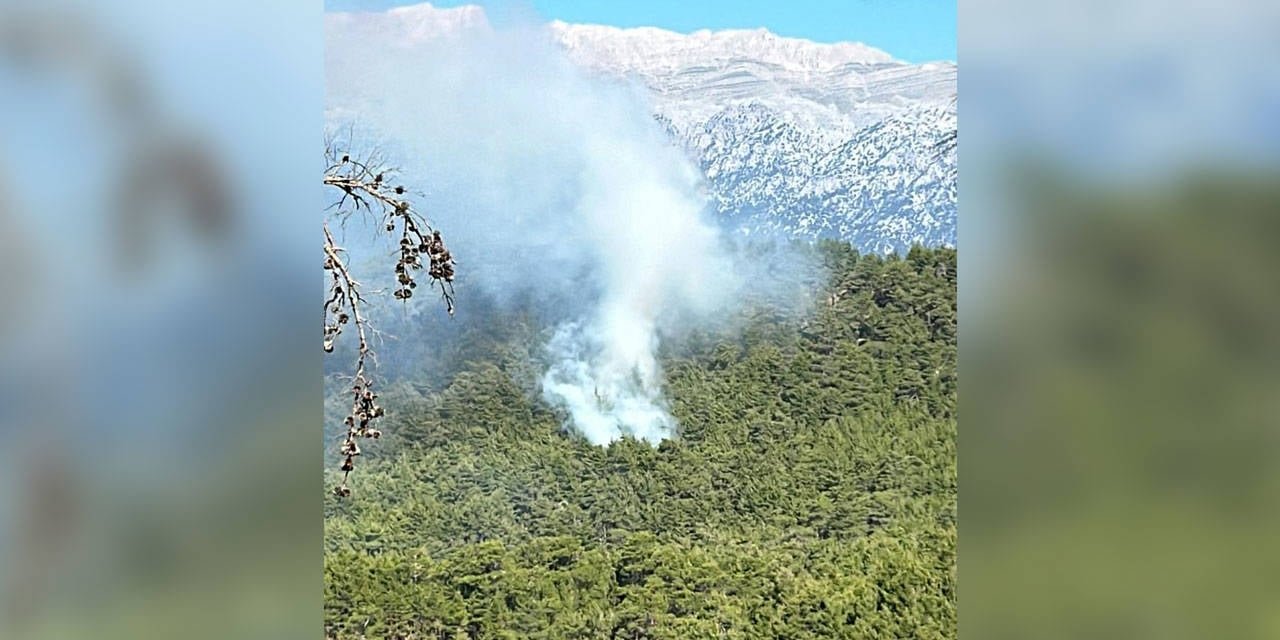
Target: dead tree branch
365,186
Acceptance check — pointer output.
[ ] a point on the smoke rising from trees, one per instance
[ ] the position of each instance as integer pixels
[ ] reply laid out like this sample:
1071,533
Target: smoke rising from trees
552,183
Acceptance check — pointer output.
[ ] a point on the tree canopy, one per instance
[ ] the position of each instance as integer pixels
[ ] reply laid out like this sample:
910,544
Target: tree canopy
811,492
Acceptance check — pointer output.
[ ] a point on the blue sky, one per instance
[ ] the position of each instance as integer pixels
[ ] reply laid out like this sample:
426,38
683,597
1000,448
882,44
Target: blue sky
912,30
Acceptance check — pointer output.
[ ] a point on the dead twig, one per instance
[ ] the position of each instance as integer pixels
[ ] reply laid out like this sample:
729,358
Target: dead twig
365,185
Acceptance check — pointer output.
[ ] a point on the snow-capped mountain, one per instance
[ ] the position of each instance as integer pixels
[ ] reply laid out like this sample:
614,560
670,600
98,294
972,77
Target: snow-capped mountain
888,186
836,88
795,138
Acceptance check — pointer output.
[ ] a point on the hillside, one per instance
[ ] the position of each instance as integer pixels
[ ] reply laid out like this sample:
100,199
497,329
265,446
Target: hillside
811,492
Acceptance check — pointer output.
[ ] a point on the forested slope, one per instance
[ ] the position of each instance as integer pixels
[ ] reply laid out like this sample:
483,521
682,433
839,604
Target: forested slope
811,492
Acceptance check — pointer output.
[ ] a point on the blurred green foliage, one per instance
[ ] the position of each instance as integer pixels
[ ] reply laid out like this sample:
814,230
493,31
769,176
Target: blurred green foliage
811,492
1120,450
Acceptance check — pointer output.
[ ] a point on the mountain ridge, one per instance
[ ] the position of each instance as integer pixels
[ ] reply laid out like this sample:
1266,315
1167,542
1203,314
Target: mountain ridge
794,138
886,188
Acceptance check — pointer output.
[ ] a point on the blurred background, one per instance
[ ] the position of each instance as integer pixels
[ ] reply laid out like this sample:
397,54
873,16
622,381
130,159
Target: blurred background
160,401
1118,293
160,386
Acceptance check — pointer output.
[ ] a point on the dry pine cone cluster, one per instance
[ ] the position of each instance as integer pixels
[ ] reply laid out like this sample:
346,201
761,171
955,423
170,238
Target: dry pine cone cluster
364,188
359,423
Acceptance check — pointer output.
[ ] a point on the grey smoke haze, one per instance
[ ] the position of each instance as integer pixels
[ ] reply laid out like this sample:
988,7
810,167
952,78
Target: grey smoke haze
549,181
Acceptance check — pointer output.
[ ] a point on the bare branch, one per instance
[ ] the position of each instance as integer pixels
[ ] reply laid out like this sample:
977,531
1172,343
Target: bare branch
365,185
343,305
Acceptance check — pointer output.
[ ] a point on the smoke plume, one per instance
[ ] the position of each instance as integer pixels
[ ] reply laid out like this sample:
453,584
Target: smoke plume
548,181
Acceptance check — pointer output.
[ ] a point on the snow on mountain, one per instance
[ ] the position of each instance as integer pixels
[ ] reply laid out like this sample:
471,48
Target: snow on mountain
837,87
795,138
653,49
413,22
888,186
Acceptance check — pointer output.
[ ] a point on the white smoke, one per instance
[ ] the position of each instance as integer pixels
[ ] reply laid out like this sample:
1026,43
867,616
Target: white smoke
545,180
